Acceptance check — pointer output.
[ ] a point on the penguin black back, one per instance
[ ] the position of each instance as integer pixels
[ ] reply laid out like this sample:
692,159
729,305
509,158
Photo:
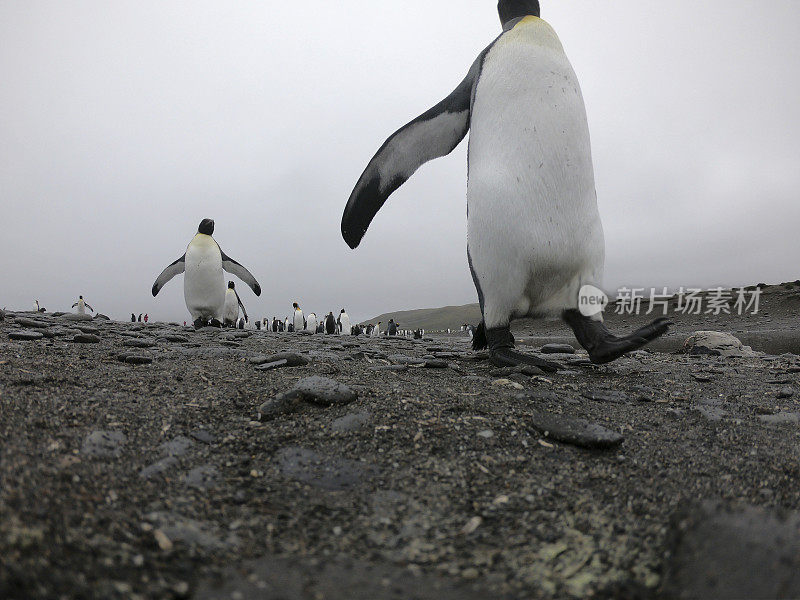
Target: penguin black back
514,9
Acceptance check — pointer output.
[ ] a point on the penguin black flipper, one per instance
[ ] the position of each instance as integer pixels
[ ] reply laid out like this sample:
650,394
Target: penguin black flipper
176,268
233,267
244,312
433,134
74,305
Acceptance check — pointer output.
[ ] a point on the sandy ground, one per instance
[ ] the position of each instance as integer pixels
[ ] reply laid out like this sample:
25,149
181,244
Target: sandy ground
444,478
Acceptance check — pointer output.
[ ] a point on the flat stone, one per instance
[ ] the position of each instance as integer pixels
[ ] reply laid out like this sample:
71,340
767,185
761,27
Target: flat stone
202,478
577,432
158,468
30,323
726,551
138,343
325,472
611,396
178,339
87,329
177,446
25,336
138,359
292,359
785,392
278,364
436,364
557,349
712,413
350,422
86,338
76,317
102,444
402,359
781,418
201,435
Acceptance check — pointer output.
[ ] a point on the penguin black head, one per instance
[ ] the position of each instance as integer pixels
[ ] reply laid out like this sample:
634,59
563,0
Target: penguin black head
206,227
295,305
231,285
342,311
514,9
80,297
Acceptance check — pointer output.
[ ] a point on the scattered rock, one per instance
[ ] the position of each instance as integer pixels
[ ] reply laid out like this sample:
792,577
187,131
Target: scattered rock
557,349
202,478
87,329
31,323
138,359
158,468
611,396
781,418
436,364
723,551
177,446
577,432
394,368
25,336
402,359
316,390
86,338
273,365
785,392
716,343
102,444
712,413
292,359
75,317
327,473
178,339
195,534
350,422
201,435
102,317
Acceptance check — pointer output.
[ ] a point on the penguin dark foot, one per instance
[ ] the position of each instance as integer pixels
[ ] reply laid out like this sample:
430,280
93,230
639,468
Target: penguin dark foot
214,323
479,341
502,353
602,345
199,324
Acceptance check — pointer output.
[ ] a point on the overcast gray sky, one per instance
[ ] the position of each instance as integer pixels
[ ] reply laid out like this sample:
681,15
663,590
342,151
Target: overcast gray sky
124,123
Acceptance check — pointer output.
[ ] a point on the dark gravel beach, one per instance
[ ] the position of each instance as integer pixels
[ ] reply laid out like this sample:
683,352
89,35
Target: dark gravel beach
159,462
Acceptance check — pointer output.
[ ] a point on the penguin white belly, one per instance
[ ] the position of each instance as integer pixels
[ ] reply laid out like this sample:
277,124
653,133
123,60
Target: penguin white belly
534,231
203,280
298,320
230,311
311,323
345,319
81,307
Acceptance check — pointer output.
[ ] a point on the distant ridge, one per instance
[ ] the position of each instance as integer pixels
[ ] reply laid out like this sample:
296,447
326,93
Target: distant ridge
432,319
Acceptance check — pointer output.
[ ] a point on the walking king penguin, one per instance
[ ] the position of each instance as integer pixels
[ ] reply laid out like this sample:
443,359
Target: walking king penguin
204,282
82,306
343,321
534,237
230,312
298,320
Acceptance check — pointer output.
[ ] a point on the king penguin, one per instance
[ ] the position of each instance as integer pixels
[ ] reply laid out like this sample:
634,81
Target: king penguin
204,282
230,312
534,236
298,321
311,322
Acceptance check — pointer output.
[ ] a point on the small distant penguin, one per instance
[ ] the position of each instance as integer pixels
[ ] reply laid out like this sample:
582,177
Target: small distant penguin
330,324
392,328
230,312
133,318
276,325
377,330
534,235
241,323
204,282
344,323
417,334
311,322
370,328
140,317
258,325
297,320
321,326
82,306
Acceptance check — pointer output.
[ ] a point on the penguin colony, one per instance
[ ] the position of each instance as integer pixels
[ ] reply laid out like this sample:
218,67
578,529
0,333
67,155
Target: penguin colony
534,236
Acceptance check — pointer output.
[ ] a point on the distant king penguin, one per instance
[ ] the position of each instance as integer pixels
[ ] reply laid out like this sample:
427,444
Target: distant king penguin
230,312
534,236
82,306
204,282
